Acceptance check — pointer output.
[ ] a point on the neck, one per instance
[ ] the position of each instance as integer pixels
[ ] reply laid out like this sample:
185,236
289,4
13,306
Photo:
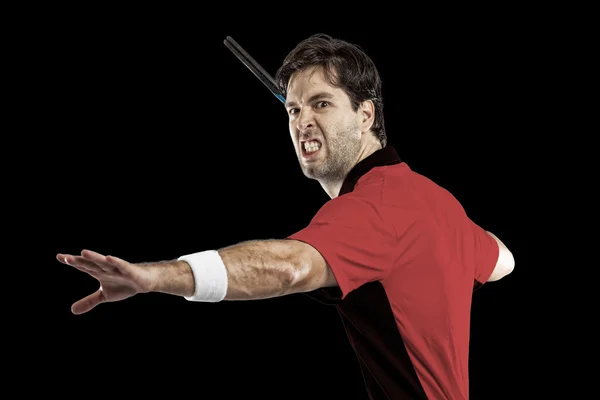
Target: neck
333,187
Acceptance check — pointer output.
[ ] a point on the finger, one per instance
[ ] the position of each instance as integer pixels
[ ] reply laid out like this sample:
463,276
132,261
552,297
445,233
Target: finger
78,261
61,257
99,259
80,264
87,303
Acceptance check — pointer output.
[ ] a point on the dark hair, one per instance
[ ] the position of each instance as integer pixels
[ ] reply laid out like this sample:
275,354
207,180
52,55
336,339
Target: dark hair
345,65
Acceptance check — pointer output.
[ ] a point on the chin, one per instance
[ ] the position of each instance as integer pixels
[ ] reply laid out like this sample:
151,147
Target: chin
313,173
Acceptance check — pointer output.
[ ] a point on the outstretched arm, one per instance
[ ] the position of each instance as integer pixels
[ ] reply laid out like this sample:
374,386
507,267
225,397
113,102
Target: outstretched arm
253,269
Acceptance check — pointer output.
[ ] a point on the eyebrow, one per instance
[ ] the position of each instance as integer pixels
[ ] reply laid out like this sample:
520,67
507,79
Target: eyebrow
314,97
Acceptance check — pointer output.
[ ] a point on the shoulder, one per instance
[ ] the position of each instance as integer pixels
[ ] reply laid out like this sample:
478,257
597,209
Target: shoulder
350,207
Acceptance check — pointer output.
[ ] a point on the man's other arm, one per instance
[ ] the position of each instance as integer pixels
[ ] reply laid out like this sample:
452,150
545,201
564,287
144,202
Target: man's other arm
506,262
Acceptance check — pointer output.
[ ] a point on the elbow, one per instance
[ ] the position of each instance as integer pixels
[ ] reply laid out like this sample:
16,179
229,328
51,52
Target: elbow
297,276
301,276
504,266
307,270
511,265
508,267
505,263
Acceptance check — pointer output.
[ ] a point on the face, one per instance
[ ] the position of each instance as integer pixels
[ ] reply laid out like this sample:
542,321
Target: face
326,132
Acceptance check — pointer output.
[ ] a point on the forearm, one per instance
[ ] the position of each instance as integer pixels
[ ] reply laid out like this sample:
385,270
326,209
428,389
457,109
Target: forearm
172,277
254,270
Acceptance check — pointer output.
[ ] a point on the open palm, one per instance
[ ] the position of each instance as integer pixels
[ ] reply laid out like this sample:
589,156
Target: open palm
118,279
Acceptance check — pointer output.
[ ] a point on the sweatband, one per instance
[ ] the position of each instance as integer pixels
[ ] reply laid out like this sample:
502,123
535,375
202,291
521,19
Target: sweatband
210,276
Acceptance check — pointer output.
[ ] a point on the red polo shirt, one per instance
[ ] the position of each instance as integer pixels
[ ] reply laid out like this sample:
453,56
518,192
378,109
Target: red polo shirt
406,257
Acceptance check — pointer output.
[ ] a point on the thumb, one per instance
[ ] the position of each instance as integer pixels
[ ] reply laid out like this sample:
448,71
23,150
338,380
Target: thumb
87,303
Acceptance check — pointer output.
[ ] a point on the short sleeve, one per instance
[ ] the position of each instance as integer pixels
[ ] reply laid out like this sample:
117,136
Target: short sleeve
355,240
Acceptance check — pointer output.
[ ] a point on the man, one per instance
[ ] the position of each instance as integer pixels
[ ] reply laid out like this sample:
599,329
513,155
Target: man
394,252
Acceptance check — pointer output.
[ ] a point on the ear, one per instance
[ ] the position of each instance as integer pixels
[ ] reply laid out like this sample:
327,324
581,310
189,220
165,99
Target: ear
366,113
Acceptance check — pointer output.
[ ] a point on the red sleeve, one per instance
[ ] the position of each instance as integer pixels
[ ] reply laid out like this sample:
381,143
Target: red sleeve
353,237
486,252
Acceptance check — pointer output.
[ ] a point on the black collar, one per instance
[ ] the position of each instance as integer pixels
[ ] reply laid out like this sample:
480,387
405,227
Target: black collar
385,156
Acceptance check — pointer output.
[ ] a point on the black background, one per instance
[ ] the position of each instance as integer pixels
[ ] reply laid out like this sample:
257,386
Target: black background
157,141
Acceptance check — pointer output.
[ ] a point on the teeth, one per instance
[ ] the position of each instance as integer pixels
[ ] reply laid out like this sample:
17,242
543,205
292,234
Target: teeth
312,146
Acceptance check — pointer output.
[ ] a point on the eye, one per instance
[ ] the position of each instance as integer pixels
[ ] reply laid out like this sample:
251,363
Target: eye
292,111
322,104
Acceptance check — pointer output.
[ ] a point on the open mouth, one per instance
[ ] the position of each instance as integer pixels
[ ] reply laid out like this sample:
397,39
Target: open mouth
310,148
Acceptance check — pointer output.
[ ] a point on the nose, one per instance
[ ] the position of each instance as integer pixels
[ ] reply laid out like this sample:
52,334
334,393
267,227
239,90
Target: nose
305,120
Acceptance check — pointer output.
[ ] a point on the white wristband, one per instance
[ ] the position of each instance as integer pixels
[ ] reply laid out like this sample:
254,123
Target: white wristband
210,276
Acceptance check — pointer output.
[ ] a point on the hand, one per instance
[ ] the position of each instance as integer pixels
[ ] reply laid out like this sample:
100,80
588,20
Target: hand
118,279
